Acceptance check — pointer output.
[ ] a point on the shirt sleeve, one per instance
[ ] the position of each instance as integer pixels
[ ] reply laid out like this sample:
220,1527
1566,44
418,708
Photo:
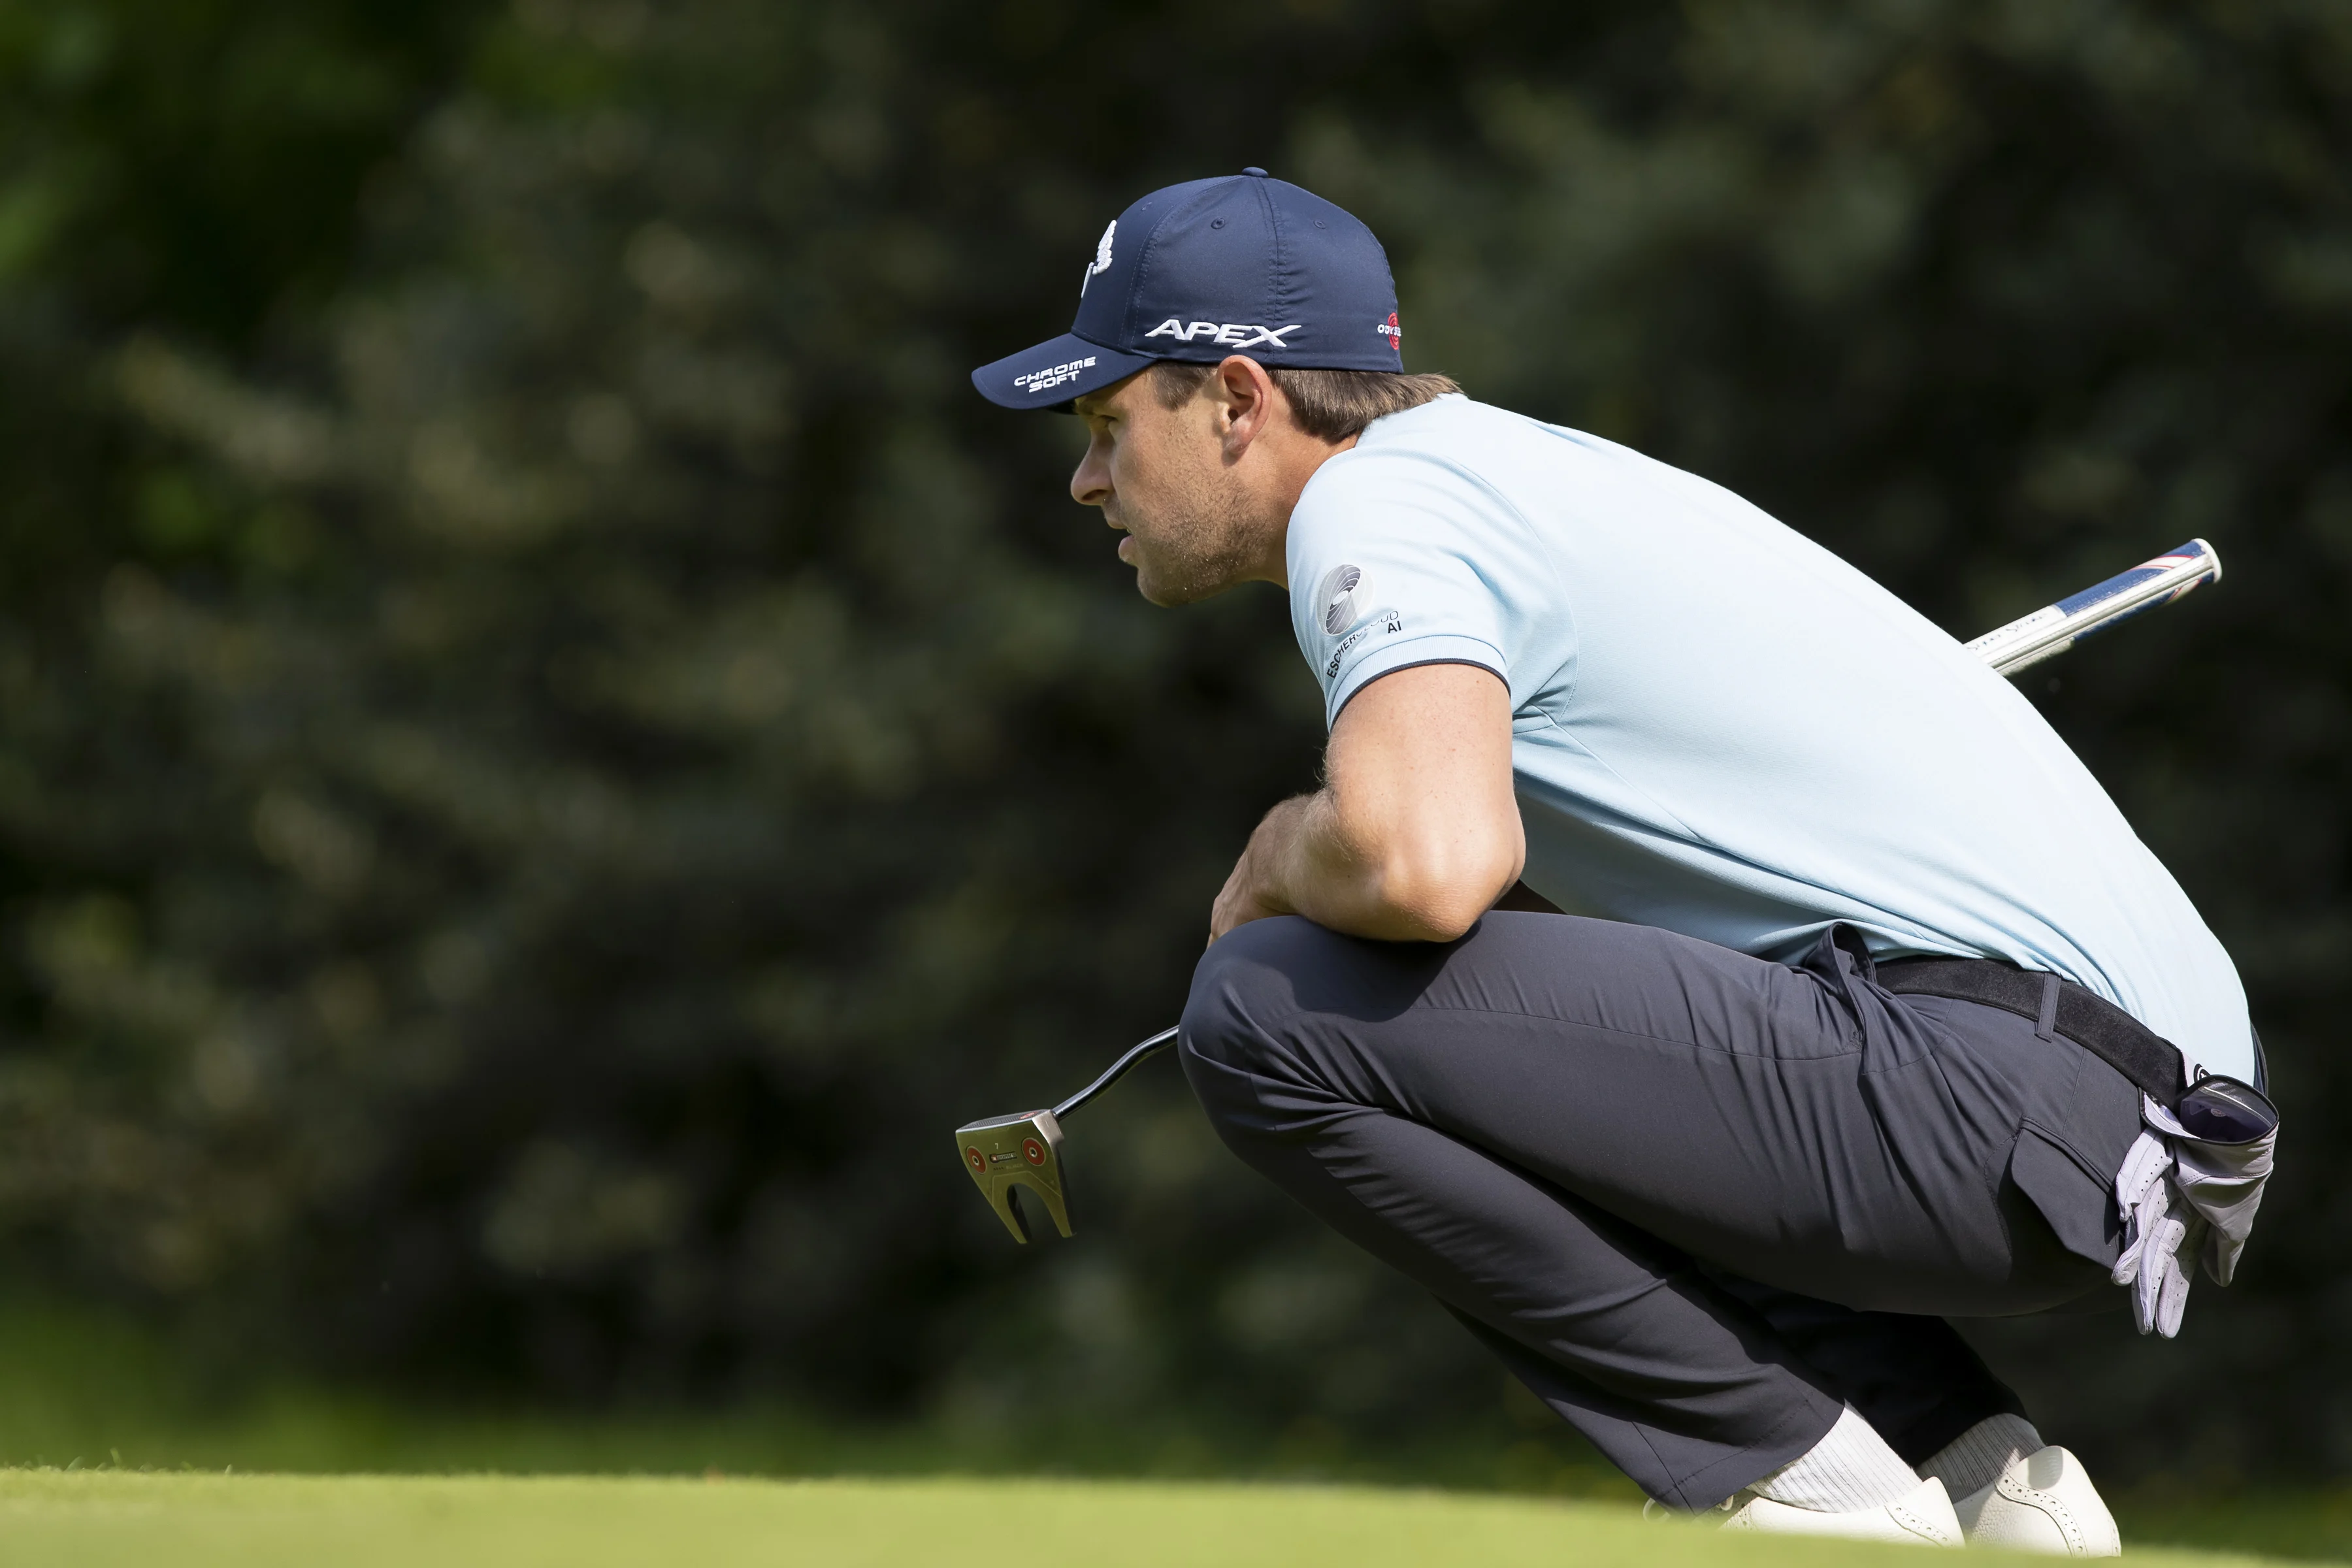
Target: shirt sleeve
1400,558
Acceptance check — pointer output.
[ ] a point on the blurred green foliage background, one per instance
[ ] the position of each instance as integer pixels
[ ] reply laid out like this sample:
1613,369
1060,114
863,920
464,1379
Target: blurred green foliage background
551,749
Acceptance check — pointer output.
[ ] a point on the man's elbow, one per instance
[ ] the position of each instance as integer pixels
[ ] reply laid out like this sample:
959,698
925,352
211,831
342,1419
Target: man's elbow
1445,920
1438,898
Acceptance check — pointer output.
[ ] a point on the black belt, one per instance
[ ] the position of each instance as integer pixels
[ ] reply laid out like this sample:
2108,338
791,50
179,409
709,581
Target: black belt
2144,1057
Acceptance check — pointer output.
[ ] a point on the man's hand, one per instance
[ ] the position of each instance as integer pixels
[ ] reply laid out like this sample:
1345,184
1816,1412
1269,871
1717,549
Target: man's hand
1240,901
1415,832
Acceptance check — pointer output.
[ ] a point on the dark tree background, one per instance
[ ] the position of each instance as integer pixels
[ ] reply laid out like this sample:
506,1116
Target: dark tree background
550,748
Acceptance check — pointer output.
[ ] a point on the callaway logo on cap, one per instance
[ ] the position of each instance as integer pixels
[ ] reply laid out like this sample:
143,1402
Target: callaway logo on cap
1242,265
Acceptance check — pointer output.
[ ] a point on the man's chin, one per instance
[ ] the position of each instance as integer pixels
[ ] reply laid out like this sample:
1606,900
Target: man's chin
1167,594
1184,580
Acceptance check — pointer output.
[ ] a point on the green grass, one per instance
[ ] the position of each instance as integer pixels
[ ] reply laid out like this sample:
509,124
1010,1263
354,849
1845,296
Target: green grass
117,1452
83,1389
83,1520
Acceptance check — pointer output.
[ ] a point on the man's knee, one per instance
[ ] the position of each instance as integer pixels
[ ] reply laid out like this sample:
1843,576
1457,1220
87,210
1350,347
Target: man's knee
1241,985
1243,1043
1266,1037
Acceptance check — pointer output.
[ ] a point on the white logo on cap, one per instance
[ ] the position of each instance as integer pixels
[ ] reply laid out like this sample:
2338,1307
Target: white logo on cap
1101,262
1228,332
1051,376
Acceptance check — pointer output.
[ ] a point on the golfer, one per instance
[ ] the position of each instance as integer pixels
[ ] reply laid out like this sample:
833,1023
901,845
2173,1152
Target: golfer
1697,971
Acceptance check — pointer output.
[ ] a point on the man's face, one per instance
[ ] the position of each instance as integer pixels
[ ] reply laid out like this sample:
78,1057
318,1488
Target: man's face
1162,477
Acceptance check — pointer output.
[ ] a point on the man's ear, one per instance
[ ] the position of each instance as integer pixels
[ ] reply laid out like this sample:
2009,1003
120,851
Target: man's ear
1251,402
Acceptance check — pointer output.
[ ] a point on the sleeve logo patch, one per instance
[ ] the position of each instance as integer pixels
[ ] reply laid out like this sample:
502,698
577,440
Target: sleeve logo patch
1338,597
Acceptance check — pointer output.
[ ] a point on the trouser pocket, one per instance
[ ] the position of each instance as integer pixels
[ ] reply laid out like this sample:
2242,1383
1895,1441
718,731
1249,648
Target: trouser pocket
2073,1199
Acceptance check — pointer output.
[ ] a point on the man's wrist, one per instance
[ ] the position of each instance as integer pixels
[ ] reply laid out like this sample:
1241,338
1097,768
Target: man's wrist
1276,857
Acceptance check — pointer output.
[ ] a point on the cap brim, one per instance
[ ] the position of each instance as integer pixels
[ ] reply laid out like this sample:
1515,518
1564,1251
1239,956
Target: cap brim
1054,372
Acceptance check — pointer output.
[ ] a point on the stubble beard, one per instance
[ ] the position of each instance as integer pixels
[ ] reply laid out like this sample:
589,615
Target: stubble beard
1198,546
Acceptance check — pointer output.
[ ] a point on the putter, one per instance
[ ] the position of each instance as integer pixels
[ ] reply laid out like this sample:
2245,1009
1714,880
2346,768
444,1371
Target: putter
1024,1150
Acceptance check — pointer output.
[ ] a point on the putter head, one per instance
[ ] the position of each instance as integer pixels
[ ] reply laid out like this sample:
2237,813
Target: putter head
1020,1151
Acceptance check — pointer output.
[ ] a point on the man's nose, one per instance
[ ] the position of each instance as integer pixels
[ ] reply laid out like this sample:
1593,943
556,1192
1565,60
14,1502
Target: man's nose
1090,484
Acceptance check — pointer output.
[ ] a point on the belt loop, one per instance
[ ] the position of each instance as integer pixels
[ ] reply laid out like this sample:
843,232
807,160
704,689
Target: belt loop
2047,1027
1856,947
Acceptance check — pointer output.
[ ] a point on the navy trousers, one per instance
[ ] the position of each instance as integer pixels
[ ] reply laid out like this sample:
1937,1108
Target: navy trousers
1696,1202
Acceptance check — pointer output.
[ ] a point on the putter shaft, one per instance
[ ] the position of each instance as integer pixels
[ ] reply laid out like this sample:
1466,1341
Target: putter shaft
1118,1069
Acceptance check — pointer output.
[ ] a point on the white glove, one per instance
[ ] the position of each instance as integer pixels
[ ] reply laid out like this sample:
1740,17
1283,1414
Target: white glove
2155,1225
2178,1195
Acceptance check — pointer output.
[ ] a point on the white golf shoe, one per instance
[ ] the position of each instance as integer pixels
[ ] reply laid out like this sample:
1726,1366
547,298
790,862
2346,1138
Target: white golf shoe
1923,1518
2042,1502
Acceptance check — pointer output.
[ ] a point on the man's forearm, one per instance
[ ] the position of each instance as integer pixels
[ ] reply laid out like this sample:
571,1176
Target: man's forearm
1300,864
1304,860
1416,831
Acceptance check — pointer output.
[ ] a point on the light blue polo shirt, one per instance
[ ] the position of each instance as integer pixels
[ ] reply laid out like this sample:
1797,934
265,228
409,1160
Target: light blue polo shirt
1721,729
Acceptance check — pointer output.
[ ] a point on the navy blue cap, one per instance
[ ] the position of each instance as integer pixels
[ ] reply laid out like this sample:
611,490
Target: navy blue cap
1245,265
